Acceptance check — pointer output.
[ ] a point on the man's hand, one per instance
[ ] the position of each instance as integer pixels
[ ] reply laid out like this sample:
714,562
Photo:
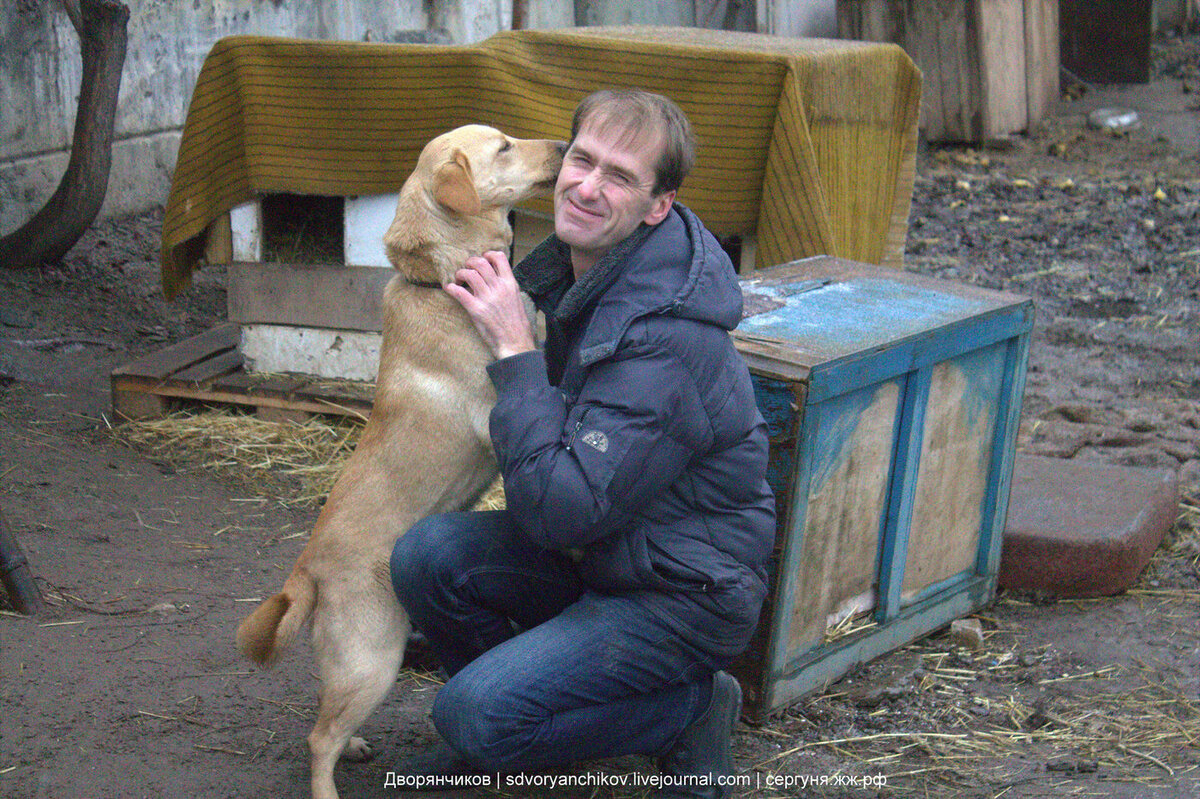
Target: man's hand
487,290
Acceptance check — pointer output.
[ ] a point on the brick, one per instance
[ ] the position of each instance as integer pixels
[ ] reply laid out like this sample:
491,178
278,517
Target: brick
1082,528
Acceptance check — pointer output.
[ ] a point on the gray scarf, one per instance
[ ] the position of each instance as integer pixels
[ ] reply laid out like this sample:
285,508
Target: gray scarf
546,274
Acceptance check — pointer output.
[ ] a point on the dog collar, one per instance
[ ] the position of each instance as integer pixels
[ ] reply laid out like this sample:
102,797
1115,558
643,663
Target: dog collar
425,284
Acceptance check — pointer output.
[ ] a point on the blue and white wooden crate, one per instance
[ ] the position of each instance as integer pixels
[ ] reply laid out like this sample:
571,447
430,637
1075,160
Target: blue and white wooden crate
893,402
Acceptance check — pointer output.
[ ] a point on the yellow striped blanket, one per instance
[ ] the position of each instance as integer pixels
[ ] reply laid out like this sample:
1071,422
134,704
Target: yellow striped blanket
807,144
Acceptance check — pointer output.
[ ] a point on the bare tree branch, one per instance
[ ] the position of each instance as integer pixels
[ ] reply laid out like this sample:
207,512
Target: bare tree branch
76,202
74,14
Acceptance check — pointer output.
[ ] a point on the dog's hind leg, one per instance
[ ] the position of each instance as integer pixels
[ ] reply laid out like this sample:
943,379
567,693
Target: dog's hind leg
358,659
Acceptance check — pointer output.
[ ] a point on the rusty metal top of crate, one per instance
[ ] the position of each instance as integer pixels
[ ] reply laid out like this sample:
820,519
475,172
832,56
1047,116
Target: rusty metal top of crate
807,313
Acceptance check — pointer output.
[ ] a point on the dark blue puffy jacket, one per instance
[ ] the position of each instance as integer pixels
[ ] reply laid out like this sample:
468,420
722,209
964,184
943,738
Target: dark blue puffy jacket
635,437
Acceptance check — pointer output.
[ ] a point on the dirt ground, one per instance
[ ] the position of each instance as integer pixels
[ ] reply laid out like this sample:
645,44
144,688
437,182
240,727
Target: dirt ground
128,685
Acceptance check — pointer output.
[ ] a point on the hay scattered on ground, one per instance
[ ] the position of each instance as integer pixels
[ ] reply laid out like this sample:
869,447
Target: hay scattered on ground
1184,538
293,463
962,721
964,707
851,625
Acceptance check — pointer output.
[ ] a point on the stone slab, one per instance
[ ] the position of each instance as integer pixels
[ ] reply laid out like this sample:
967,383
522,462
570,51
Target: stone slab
1081,528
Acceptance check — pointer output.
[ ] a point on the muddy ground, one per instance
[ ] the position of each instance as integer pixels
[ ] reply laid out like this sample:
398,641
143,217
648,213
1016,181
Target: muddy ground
128,684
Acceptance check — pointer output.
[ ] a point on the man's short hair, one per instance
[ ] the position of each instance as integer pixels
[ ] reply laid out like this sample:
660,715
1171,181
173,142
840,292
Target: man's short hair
638,111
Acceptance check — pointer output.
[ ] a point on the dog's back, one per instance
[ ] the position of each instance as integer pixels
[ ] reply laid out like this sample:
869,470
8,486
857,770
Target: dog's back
425,447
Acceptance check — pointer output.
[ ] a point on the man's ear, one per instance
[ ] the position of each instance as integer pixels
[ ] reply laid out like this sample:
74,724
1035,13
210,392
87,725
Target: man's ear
454,185
660,206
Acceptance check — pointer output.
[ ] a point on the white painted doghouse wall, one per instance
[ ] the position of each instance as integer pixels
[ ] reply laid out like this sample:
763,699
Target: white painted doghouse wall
324,352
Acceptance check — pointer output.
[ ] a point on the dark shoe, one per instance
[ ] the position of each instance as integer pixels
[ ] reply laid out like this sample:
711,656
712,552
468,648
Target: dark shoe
703,753
432,770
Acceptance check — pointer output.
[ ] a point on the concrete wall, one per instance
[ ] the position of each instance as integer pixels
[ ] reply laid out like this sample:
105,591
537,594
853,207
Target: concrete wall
40,76
168,39
798,17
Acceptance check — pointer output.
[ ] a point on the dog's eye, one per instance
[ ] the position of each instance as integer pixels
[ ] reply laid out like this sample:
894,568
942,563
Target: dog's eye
505,146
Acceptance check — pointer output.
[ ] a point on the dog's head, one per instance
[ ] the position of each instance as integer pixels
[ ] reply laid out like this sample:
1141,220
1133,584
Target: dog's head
458,197
476,168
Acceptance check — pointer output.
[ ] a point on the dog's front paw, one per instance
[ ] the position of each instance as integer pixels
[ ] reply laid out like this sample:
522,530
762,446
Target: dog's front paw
358,751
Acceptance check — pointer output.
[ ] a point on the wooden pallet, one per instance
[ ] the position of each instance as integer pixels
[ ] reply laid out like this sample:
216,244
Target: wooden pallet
208,368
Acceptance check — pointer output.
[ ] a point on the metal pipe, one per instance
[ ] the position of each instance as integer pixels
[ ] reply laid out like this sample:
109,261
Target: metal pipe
16,575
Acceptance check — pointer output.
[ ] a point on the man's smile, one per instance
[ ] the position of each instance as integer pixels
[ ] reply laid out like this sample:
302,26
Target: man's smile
582,210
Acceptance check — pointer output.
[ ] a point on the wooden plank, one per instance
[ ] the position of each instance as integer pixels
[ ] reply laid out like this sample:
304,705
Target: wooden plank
169,360
748,255
958,68
274,386
278,390
235,382
907,459
770,360
921,350
941,37
210,368
1003,455
351,398
207,368
227,396
990,67
269,414
1002,66
137,403
869,20
955,470
847,502
307,295
1041,58
825,665
782,404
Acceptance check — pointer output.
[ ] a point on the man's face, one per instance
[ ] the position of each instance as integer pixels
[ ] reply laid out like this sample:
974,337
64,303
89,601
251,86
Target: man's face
604,191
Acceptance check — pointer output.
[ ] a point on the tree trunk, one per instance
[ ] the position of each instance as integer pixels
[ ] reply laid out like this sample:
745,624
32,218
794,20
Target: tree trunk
74,205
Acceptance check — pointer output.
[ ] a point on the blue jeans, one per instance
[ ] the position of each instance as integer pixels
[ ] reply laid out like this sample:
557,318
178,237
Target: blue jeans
543,670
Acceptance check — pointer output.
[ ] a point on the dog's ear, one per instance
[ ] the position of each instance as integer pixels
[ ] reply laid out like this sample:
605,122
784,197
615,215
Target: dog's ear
454,185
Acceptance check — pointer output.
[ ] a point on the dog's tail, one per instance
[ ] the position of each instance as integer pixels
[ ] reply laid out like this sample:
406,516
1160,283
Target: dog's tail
266,632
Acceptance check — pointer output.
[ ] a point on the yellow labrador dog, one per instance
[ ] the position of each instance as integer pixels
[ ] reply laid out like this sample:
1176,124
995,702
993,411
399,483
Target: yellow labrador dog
425,448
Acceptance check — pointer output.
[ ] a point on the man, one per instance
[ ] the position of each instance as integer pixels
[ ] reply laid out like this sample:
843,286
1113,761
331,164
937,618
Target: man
591,618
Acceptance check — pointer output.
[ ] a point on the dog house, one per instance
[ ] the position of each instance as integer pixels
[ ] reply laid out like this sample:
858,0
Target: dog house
807,147
893,402
306,277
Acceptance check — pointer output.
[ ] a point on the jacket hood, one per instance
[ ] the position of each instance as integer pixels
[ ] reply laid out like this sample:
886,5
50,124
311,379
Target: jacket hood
677,268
